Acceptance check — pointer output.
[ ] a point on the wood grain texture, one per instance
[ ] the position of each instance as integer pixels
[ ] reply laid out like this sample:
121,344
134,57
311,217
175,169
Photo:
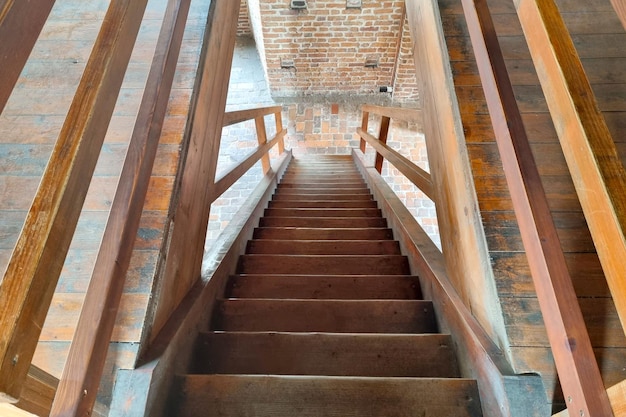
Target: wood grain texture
20,25
36,264
597,171
461,230
186,242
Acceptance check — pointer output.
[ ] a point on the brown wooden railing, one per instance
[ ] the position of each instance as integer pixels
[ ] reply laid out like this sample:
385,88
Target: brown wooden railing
486,361
28,285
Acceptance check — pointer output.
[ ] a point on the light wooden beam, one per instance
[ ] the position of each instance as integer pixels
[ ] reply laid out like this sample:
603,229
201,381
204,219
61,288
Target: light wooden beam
620,9
38,257
79,383
577,368
597,171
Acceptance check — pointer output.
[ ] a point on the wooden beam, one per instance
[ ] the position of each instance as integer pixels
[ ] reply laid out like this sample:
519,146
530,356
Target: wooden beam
401,113
620,9
597,171
238,116
228,179
79,383
577,368
420,178
617,397
278,116
20,25
383,133
34,268
191,215
364,125
38,393
462,236
261,135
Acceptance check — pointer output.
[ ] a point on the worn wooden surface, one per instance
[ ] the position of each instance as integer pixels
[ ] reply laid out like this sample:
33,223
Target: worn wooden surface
594,27
191,215
34,268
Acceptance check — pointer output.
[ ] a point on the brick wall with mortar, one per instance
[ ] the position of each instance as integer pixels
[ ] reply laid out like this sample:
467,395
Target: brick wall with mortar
405,82
244,28
329,44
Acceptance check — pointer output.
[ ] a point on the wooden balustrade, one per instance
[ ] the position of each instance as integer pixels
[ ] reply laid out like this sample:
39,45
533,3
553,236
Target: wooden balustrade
577,368
79,383
20,25
33,271
419,177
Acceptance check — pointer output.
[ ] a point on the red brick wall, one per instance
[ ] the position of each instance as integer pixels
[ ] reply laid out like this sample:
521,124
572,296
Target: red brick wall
243,26
329,45
405,83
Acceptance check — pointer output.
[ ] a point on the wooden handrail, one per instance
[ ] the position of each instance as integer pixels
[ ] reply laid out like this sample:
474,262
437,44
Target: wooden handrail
83,369
20,25
34,268
419,177
400,113
238,116
579,374
227,180
591,154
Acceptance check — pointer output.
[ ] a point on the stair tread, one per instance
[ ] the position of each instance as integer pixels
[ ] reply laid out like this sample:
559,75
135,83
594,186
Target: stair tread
323,222
314,396
323,247
325,286
324,264
322,197
333,316
337,354
327,212
331,233
323,204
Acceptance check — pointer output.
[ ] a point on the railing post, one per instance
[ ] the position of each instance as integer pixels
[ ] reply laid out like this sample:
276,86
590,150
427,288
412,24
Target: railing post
591,154
279,128
573,353
382,137
364,125
261,136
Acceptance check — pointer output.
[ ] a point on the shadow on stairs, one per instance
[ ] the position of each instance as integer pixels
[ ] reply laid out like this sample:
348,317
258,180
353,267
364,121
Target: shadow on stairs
324,317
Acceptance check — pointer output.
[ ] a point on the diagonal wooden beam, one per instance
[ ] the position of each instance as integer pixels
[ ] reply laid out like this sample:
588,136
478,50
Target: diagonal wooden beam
36,263
620,9
20,25
591,154
577,368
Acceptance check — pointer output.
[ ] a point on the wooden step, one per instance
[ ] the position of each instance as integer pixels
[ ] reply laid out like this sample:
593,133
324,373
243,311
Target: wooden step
323,247
304,233
343,184
328,181
331,316
350,287
321,197
323,191
332,354
324,264
328,212
322,222
306,396
323,204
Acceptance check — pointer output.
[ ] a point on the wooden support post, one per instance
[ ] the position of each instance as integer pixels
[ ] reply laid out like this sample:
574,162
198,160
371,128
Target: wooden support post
34,268
186,240
78,386
577,368
20,25
382,137
279,128
364,125
597,171
261,135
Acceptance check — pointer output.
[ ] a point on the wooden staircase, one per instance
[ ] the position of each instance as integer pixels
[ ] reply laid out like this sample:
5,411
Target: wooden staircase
323,317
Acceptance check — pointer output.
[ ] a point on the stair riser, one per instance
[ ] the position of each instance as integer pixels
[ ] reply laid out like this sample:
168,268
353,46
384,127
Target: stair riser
326,354
303,247
323,191
389,316
322,197
323,204
322,234
322,222
343,184
325,287
323,213
237,396
324,265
